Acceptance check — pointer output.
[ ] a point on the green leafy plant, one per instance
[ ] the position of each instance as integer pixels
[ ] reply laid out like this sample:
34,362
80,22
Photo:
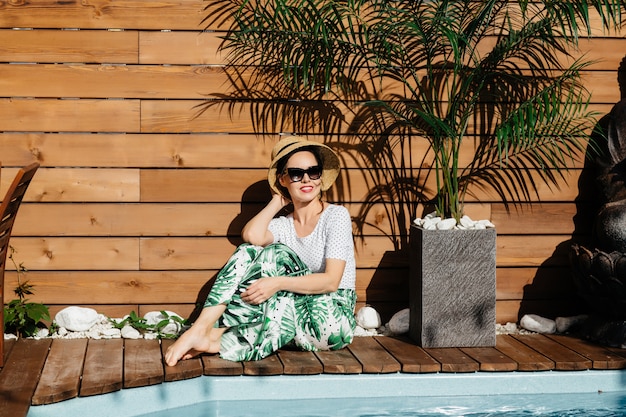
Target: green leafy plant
437,99
140,324
20,316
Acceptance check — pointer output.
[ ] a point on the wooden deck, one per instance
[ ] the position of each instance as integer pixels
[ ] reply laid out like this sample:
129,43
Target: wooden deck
46,371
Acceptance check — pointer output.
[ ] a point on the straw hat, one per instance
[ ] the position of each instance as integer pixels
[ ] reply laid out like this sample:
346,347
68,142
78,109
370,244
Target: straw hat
290,144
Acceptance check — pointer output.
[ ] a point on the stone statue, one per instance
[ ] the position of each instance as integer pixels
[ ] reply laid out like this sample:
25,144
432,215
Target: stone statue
600,268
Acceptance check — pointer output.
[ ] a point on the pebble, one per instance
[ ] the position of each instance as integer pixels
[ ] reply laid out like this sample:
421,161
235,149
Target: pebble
563,324
538,324
399,323
368,318
76,319
433,222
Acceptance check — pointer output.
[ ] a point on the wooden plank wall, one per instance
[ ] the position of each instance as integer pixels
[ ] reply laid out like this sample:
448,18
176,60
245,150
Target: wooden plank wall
138,202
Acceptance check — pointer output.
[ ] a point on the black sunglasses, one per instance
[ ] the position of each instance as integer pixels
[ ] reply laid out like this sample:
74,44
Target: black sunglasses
296,174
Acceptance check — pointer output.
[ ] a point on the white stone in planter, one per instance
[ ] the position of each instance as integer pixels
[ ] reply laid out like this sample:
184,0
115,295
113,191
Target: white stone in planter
446,224
76,319
368,318
399,323
538,324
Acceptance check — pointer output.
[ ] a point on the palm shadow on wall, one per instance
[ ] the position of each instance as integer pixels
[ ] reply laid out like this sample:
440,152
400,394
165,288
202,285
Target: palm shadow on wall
554,277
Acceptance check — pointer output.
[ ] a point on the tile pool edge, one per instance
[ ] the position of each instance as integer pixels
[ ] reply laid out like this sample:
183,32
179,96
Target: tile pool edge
137,401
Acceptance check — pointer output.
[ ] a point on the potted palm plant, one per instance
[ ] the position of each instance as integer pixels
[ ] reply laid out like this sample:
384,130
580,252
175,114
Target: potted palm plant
491,87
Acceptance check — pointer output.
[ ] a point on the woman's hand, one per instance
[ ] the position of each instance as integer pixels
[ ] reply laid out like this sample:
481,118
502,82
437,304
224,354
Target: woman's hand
261,290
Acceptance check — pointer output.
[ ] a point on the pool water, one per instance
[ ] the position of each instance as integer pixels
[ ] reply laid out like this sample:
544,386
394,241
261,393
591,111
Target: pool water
552,405
590,393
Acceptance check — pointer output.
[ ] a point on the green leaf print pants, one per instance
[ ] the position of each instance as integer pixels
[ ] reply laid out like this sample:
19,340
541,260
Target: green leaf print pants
311,322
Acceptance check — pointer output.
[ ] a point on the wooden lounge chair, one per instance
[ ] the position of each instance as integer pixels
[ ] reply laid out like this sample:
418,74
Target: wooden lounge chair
8,211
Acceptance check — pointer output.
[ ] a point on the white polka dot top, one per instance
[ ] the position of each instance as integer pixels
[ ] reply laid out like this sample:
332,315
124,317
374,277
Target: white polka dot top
331,238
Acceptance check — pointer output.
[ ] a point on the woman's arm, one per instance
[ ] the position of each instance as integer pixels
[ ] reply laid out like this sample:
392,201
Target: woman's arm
256,230
318,283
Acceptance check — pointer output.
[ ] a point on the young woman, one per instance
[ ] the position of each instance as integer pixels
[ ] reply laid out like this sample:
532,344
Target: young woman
293,281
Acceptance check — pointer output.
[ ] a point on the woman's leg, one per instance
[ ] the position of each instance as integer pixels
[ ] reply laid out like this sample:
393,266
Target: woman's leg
325,321
203,336
256,331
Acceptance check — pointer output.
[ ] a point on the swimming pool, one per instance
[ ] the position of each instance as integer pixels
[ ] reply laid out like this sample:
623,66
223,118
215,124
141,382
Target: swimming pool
475,394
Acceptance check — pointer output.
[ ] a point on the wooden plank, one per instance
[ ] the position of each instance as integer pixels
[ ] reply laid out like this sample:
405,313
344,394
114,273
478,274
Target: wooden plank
190,368
216,366
20,374
527,282
490,359
119,150
80,184
527,359
58,253
297,362
143,363
412,358
89,46
143,219
80,115
270,365
339,362
173,150
600,356
453,360
177,81
373,357
180,48
116,287
199,185
200,48
8,345
139,14
60,378
112,81
552,218
564,358
104,367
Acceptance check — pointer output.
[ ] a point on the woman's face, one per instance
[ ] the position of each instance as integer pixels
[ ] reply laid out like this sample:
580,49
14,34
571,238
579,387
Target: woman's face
304,188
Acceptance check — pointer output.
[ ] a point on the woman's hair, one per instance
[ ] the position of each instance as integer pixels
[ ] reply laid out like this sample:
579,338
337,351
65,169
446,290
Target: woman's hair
282,163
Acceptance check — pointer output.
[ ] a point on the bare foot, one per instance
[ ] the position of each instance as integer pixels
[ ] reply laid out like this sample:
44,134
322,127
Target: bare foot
198,339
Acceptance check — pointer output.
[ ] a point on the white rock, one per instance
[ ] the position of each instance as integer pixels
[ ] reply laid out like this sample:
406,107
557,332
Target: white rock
10,336
486,223
399,323
368,318
129,332
563,324
446,224
361,332
430,223
155,317
466,222
76,319
538,324
111,333
41,333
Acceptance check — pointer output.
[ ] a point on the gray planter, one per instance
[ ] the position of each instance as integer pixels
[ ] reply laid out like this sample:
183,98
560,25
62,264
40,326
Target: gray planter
453,287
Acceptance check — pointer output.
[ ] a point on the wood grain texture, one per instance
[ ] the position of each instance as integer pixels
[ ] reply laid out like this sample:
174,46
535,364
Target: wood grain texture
106,96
